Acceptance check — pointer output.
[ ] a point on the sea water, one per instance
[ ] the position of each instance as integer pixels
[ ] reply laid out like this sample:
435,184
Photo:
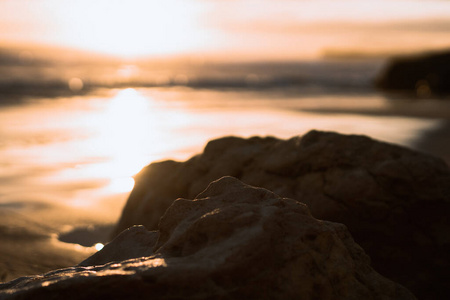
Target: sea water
69,160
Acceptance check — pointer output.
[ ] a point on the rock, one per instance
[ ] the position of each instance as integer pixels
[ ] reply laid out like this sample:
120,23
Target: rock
426,75
233,242
395,201
134,242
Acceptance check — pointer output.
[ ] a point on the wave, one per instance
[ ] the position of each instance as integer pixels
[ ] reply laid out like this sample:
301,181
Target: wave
311,77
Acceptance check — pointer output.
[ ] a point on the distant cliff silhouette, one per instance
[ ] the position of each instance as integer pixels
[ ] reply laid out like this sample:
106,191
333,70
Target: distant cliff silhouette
425,75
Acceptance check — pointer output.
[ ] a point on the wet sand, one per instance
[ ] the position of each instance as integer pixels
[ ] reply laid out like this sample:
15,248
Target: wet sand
35,237
28,247
435,141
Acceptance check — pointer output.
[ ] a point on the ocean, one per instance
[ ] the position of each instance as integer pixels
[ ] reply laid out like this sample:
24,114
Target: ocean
71,138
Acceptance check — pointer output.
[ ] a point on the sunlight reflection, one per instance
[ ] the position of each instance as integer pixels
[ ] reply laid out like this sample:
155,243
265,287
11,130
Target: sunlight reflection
126,132
121,133
83,151
127,103
99,246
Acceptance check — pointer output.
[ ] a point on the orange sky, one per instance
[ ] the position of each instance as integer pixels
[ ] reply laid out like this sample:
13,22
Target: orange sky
265,28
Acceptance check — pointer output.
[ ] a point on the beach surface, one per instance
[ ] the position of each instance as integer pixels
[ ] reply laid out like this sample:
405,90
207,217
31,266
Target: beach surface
30,247
29,228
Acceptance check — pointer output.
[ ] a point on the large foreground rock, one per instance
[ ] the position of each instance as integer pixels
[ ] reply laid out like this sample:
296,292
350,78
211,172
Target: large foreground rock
395,201
233,242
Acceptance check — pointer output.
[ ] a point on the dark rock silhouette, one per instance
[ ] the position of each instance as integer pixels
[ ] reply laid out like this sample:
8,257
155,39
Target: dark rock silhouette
133,242
395,201
233,242
426,75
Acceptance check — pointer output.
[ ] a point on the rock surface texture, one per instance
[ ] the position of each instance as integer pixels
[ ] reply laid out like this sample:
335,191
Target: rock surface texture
233,242
395,201
134,242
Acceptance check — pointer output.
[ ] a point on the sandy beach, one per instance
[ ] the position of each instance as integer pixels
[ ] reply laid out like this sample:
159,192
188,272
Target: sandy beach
30,247
437,142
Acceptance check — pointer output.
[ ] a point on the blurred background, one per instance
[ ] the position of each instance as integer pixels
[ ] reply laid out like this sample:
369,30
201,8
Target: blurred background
92,91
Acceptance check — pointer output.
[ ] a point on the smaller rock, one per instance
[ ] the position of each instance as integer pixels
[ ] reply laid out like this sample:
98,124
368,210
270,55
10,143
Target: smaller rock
133,242
234,241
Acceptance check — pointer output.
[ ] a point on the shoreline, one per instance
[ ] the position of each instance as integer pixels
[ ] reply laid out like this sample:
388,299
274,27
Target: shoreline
29,247
436,141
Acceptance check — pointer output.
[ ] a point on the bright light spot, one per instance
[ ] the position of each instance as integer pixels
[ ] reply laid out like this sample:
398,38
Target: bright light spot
129,28
75,84
123,130
157,262
138,27
121,134
99,246
121,185
126,107
45,284
126,124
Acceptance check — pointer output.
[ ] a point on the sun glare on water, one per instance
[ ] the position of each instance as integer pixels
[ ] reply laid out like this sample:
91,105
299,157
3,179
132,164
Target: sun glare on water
119,135
120,138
